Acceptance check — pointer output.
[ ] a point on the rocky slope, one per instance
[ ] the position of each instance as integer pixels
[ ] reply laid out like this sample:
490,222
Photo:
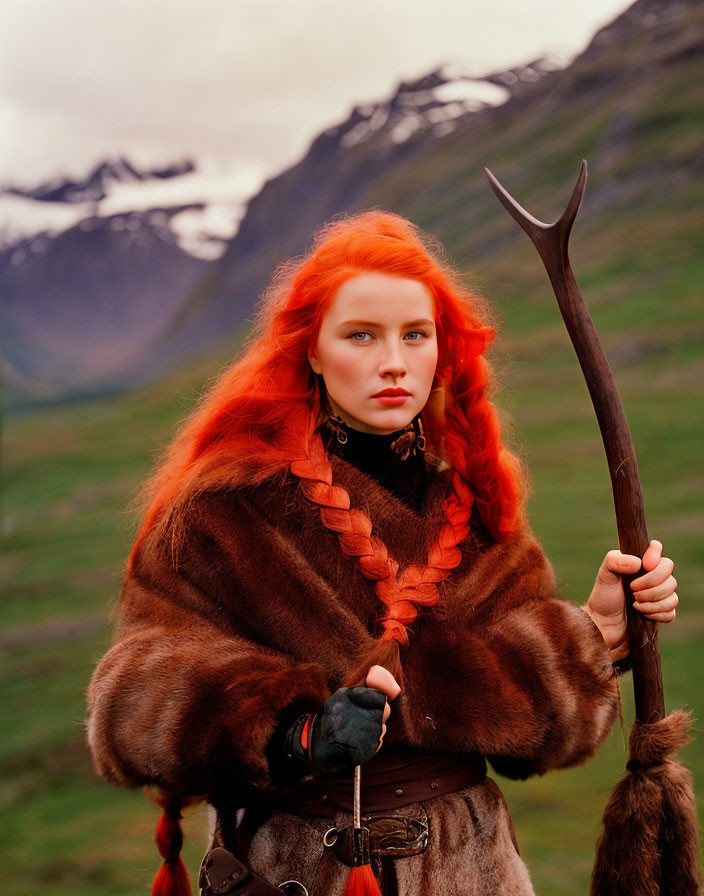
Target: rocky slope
631,104
117,298
100,277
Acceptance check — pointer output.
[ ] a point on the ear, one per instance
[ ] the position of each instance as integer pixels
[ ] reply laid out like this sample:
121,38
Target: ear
314,361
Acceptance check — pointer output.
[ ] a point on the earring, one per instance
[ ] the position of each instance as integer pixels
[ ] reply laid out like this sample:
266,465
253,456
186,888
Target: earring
337,424
420,441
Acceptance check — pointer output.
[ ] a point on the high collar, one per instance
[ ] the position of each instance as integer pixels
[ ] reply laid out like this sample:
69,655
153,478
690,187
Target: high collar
373,454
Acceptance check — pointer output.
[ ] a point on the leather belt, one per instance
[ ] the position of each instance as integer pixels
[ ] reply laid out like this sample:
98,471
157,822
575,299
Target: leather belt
222,874
390,779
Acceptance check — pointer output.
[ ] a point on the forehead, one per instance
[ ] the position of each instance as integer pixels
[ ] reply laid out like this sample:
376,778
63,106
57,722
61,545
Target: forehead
381,297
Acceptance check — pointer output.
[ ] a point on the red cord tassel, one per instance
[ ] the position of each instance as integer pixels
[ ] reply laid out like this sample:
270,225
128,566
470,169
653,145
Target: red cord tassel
362,882
172,878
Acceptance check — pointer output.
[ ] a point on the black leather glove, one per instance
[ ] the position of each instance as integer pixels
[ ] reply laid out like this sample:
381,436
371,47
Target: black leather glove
343,733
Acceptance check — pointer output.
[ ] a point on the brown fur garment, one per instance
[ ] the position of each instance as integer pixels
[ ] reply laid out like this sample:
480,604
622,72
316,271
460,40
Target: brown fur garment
471,848
257,609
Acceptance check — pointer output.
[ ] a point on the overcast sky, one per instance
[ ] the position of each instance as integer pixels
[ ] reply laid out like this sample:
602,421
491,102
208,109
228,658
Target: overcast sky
240,85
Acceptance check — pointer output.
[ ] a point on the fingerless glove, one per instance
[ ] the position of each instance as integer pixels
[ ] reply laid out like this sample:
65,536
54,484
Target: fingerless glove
343,733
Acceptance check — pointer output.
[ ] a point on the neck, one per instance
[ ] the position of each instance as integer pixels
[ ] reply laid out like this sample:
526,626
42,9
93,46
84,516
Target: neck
395,460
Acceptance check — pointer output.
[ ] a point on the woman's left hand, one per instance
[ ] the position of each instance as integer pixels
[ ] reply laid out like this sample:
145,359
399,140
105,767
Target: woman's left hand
654,593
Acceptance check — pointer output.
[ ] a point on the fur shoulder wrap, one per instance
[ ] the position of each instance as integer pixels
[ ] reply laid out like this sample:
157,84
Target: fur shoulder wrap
256,610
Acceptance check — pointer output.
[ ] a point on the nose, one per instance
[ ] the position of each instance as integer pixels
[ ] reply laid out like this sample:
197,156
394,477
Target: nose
392,362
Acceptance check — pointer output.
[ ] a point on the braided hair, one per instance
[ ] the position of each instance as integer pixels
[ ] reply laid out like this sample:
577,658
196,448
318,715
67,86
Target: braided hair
260,415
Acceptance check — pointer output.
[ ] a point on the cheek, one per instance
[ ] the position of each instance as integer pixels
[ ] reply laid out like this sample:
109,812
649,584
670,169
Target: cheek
430,362
343,369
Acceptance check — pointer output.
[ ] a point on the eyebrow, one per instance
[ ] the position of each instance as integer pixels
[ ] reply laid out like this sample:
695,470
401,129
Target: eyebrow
421,322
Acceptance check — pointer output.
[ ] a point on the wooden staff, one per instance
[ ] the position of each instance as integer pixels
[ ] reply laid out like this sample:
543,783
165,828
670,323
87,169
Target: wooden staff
650,841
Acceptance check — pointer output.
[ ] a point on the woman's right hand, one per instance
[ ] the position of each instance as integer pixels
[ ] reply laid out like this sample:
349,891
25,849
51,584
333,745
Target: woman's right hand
350,726
382,680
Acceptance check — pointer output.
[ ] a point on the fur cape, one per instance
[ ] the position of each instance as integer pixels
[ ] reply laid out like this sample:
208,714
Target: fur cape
257,611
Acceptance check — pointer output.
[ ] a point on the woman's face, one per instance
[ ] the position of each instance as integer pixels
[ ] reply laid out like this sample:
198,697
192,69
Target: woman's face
377,351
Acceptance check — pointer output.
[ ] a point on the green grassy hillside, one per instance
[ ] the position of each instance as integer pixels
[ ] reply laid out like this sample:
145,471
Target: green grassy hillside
638,252
71,471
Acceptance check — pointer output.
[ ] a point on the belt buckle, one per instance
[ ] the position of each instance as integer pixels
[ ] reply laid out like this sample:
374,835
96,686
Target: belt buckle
396,835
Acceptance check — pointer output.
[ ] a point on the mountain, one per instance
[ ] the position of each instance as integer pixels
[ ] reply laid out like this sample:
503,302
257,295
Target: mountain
94,270
97,184
630,103
104,280
200,208
343,164
82,310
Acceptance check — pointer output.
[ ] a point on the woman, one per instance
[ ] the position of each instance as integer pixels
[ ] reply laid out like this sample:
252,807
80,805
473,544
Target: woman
335,556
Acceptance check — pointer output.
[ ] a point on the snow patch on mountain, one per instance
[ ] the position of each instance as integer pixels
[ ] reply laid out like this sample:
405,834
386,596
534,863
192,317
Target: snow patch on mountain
201,209
434,103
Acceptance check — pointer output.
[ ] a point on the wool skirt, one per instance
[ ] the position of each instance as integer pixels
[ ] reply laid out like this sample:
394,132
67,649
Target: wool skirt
471,849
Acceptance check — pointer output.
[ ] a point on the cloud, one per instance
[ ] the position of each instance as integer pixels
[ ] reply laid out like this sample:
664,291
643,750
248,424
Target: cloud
228,79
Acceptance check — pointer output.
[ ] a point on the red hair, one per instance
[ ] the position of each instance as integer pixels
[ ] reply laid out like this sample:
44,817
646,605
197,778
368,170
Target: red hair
256,418
260,418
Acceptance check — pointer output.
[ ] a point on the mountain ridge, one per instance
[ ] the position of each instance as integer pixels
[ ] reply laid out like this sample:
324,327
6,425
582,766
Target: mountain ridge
630,104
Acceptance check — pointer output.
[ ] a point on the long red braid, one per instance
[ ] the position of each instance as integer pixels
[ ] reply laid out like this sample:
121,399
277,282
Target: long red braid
416,586
259,417
402,595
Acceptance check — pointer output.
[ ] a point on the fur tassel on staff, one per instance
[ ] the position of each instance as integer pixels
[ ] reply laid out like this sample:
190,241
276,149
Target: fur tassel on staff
650,843
651,810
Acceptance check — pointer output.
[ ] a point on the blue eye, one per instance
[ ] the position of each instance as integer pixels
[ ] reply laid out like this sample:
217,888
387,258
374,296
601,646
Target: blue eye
362,336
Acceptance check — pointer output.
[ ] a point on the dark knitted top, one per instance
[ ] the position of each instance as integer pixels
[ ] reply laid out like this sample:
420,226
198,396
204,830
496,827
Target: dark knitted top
372,454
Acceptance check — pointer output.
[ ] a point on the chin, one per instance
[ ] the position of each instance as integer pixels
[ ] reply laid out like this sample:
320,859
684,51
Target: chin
381,420
392,421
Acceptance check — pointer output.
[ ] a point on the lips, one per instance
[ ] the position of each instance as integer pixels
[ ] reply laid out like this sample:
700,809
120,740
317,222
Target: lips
392,397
